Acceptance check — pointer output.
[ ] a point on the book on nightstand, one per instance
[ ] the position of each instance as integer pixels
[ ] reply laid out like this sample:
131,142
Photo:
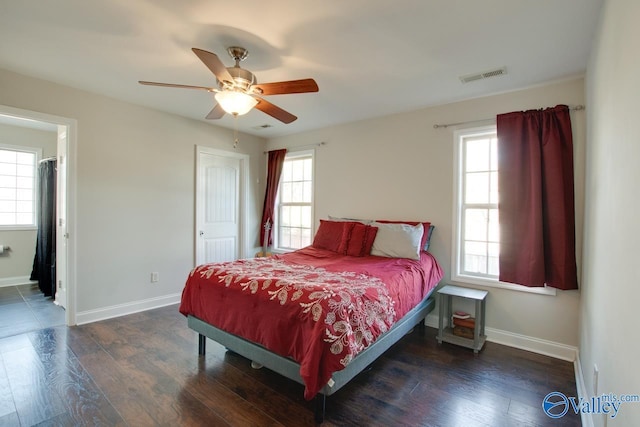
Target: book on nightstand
461,315
461,331
469,323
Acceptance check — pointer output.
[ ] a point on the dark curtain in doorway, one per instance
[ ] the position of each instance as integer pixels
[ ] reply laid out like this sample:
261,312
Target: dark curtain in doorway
44,263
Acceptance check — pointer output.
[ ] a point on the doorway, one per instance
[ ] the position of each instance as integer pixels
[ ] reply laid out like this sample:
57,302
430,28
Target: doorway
65,129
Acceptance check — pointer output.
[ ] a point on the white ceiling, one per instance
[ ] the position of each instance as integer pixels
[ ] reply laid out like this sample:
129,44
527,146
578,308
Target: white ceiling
370,58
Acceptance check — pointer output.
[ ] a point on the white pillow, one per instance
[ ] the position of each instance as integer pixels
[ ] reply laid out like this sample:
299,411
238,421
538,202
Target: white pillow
397,240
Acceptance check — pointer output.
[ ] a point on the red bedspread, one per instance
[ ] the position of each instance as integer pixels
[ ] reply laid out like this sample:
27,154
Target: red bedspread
313,305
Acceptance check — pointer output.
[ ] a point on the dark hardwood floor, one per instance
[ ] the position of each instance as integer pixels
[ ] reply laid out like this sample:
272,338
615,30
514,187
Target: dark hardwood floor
144,370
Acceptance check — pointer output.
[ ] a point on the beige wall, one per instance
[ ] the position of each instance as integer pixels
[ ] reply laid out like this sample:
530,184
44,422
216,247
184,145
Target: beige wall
17,264
135,179
400,167
611,291
135,189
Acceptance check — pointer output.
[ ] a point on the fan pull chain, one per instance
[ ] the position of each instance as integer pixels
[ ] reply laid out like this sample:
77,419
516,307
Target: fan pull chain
235,131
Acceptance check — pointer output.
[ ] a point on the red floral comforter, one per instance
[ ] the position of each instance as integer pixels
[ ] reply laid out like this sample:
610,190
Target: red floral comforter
313,305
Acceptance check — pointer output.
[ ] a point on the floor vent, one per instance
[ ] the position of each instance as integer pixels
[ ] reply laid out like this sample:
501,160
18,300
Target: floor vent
484,75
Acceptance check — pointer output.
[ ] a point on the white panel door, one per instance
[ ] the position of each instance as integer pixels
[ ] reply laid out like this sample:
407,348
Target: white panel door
218,208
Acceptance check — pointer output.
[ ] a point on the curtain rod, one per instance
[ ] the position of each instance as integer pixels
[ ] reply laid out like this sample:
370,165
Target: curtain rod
576,108
319,144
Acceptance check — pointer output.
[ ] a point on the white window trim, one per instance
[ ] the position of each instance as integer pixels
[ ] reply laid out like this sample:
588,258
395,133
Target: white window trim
456,276
38,152
292,155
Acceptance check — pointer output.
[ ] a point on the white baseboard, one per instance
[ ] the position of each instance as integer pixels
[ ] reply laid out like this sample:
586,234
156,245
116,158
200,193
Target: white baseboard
587,419
524,342
83,317
15,281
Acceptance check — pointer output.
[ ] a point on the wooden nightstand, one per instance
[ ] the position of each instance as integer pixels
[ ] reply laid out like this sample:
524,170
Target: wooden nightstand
445,329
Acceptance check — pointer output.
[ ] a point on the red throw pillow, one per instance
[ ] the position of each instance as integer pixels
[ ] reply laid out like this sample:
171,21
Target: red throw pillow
333,236
425,233
369,237
361,240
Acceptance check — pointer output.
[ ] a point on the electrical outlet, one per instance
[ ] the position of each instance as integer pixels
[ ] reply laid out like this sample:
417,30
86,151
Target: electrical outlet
155,276
596,371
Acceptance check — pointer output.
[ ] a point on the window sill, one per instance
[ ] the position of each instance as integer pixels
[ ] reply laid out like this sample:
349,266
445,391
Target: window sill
18,227
468,280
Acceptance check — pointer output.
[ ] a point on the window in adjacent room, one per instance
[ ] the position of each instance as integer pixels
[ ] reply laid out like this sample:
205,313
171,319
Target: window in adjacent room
17,186
294,204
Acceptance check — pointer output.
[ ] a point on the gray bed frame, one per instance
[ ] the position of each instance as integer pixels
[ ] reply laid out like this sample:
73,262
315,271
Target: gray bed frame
290,369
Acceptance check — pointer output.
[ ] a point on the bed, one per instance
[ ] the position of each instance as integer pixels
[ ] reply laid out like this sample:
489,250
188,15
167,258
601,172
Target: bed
321,314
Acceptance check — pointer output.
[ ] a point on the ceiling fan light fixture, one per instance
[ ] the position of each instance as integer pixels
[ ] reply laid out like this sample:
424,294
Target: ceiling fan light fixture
238,89
235,103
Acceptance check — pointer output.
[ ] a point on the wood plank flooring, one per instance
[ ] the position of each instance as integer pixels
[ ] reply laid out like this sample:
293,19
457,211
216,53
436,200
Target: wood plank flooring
144,370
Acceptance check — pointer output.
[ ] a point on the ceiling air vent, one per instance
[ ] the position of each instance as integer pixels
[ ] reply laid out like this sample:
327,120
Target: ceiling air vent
484,75
265,126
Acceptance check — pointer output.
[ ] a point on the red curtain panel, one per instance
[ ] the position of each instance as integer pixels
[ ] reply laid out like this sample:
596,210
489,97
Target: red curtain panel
536,203
274,170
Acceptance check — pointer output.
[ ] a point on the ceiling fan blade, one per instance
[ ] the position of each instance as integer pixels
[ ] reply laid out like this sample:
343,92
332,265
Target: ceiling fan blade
291,86
209,89
216,113
216,66
274,111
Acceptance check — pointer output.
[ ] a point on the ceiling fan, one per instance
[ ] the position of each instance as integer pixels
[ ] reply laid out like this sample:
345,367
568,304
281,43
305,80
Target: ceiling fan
238,90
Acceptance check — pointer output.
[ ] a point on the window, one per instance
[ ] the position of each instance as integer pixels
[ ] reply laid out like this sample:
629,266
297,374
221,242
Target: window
294,204
478,236
476,244
17,186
